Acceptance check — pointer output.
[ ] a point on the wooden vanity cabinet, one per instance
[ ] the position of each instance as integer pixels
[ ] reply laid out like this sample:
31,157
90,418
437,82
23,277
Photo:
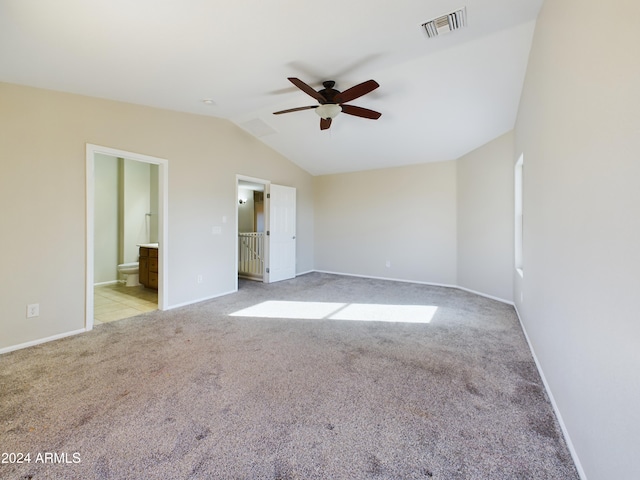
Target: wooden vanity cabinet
148,267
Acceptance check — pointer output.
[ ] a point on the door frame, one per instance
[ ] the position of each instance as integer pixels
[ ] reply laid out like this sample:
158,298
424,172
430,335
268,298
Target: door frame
163,223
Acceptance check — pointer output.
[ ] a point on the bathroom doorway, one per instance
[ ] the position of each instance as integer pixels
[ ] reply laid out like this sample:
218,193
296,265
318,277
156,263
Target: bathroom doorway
126,234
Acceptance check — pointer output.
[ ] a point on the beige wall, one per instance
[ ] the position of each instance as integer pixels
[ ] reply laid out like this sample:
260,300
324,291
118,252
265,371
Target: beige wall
136,203
448,223
486,218
579,130
404,215
246,211
106,225
42,200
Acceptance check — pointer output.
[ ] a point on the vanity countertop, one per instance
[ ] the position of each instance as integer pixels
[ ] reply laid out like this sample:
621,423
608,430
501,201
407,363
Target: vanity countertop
148,245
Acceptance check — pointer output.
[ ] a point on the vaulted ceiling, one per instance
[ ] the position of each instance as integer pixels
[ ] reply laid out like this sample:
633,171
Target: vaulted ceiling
439,97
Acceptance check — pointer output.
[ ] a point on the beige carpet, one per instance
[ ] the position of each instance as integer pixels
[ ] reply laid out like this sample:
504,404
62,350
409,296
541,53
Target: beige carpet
321,377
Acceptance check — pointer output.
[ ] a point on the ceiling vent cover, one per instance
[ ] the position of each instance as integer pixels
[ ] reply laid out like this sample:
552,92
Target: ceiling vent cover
446,23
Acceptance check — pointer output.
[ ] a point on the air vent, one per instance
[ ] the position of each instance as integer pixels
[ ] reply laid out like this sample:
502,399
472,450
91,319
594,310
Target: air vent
257,128
446,23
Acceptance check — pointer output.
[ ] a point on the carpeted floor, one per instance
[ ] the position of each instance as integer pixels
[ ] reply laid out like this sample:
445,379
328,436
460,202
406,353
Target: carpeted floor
302,379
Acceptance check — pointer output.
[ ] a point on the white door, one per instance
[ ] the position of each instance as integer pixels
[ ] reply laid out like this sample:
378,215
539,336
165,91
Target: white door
281,204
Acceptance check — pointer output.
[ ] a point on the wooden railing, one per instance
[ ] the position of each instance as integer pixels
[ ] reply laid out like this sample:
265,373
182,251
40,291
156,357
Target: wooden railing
251,254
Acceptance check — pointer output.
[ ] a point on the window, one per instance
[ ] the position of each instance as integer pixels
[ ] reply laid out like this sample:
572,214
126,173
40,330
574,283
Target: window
518,209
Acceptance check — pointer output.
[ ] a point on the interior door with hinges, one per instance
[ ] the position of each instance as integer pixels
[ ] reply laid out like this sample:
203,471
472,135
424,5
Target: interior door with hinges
281,233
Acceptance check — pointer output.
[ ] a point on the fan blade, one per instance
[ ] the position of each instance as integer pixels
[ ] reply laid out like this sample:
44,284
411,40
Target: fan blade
307,89
295,109
357,91
325,123
361,112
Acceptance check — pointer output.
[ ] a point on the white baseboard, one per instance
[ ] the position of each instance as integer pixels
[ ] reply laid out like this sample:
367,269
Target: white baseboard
554,405
502,300
304,273
32,343
191,302
41,340
475,292
385,278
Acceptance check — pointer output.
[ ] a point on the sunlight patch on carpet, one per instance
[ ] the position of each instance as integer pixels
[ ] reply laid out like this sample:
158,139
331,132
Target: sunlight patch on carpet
363,312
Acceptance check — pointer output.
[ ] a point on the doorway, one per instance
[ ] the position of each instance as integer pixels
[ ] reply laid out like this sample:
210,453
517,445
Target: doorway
140,224
266,230
251,221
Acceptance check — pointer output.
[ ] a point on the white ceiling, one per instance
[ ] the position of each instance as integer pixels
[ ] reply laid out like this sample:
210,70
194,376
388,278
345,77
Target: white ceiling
439,98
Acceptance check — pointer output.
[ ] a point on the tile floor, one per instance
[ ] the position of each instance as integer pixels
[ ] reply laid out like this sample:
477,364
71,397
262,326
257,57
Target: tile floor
116,301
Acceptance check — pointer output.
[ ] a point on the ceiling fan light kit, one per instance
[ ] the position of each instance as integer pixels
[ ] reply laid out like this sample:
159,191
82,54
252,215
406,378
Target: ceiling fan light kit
328,110
332,101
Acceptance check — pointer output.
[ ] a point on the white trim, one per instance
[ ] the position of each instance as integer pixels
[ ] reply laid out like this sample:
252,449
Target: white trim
475,292
249,179
304,273
33,343
163,223
554,405
386,278
518,181
445,285
89,240
111,282
204,299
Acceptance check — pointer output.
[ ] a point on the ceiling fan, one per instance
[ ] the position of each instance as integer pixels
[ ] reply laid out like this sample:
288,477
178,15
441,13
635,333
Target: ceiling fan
332,102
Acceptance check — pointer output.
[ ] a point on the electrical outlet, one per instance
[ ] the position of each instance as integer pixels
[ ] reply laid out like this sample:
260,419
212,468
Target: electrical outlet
199,279
388,264
33,310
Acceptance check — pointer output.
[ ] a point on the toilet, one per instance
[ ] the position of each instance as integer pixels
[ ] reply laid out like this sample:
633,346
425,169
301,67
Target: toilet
131,272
